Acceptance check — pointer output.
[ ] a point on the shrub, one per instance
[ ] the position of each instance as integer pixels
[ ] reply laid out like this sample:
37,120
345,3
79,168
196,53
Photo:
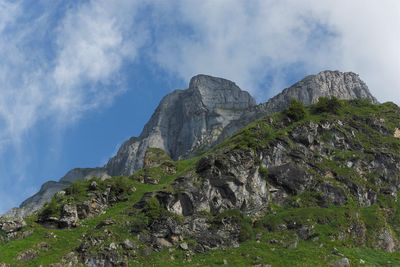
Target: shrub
120,185
153,209
363,102
296,111
139,222
77,188
51,209
327,105
245,223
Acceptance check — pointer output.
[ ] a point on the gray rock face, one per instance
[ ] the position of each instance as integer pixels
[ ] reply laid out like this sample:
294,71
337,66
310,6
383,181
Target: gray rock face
185,121
69,216
50,188
197,118
343,85
223,182
279,172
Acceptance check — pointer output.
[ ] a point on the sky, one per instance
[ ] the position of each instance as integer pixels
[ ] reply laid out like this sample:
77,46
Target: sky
77,78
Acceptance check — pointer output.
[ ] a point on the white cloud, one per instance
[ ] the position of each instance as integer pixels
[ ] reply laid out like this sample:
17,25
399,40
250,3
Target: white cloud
74,69
245,41
93,42
57,65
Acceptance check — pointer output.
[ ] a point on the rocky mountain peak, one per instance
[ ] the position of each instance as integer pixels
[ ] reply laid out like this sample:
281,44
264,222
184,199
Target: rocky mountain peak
343,85
206,113
184,121
220,93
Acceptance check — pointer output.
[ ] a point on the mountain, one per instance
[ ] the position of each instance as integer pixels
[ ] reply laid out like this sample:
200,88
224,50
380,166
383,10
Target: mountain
185,121
308,186
314,185
343,85
195,119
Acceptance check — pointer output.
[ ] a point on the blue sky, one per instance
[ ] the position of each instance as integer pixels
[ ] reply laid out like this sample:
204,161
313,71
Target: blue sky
77,78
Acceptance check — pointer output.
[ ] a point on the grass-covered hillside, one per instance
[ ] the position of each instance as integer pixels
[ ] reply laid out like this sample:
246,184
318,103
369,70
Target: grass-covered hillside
315,186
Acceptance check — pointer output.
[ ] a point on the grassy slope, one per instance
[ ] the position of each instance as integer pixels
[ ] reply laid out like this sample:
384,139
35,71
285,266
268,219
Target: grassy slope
307,253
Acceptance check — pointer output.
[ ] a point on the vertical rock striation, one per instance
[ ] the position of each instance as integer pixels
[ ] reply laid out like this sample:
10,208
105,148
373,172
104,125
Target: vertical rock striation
185,121
206,113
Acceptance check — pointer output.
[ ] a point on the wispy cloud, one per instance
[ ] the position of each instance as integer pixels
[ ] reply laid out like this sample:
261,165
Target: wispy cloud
249,40
93,42
57,63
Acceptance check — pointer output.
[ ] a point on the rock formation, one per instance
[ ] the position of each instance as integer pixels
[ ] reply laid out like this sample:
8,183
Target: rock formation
197,118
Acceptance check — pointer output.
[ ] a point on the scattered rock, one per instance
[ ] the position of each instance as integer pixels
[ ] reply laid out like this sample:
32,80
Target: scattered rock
11,225
397,133
306,232
105,222
184,246
27,255
43,246
258,236
336,252
386,241
69,216
150,180
128,245
112,246
50,235
162,242
344,262
93,186
71,259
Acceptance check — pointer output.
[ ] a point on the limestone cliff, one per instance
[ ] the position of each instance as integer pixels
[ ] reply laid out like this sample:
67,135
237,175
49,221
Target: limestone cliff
205,114
185,121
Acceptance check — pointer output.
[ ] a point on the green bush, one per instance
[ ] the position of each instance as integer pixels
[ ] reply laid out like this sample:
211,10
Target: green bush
296,111
153,209
245,223
327,105
77,188
139,222
51,209
121,185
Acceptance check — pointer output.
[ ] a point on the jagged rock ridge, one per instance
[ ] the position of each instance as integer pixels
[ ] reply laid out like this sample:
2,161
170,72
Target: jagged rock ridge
205,114
184,121
343,85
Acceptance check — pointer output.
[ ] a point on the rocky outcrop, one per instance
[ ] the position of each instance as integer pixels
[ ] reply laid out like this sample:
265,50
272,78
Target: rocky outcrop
38,200
69,216
13,228
223,182
343,85
326,163
185,121
205,114
50,188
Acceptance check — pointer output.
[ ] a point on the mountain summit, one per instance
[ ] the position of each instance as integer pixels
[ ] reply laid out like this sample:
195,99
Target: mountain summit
199,117
215,179
185,121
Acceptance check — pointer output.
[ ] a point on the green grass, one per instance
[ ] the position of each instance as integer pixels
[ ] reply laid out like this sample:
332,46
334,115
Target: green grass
375,126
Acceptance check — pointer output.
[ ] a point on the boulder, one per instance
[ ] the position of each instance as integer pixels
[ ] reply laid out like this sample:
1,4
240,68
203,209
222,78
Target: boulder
343,262
69,216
